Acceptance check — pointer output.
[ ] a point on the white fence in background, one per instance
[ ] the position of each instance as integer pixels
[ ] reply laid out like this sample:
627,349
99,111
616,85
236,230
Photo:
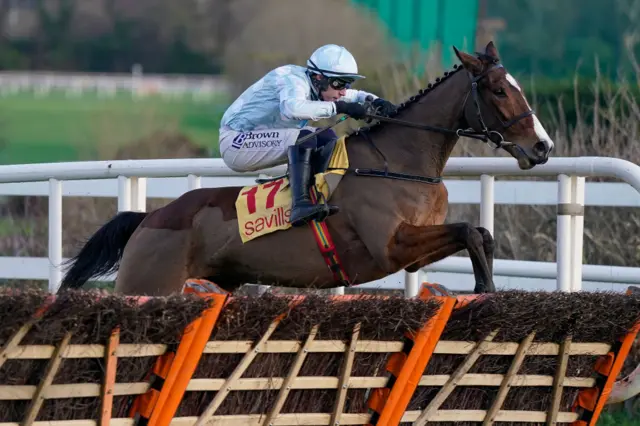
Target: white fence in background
133,181
41,83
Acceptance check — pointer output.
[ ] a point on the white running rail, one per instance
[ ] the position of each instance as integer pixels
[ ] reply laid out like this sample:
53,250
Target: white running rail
569,172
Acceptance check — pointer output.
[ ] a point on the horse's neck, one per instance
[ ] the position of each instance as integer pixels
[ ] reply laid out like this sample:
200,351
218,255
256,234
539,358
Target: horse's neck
416,151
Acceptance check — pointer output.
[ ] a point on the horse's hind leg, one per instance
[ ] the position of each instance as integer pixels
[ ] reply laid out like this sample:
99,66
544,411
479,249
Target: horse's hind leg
154,262
418,246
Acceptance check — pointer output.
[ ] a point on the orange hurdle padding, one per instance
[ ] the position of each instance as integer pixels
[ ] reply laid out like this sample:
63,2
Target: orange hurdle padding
406,368
591,401
175,368
179,377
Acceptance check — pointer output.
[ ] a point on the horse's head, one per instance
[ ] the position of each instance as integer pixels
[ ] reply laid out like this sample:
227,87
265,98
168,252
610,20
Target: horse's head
497,107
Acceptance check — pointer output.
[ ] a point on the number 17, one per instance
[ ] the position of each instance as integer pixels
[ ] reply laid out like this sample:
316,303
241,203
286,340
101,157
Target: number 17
251,195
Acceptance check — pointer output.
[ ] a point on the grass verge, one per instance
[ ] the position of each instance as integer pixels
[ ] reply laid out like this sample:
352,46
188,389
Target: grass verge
57,127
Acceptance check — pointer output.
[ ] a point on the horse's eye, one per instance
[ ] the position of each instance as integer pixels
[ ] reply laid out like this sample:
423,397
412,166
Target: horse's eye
500,92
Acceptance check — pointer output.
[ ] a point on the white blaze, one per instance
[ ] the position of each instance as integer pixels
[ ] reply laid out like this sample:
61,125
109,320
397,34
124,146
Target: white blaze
537,126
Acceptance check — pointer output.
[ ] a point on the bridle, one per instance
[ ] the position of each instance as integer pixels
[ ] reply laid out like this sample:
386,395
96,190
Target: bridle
484,133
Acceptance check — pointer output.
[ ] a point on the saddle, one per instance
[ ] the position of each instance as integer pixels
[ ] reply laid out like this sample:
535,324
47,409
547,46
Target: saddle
320,159
265,207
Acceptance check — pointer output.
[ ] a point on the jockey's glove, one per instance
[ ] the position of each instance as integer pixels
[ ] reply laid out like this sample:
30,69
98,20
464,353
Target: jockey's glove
352,109
384,107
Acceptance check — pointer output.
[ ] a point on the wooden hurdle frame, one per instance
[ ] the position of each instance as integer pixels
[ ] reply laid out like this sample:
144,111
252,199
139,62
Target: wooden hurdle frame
389,396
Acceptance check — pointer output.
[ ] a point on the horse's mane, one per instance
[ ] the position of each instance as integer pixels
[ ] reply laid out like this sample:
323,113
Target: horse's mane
412,99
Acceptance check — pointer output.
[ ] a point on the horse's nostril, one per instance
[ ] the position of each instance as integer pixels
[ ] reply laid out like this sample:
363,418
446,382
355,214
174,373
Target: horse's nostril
541,148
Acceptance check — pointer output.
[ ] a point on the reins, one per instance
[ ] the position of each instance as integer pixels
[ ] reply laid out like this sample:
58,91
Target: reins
484,134
458,132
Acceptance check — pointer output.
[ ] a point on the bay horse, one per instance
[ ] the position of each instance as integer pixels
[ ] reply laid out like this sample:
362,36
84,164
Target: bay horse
389,220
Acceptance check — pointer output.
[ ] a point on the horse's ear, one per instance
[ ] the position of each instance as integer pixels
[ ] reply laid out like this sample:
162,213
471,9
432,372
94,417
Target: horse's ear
470,62
491,50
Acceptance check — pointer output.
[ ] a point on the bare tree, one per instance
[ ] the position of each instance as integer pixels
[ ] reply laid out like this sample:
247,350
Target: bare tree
271,35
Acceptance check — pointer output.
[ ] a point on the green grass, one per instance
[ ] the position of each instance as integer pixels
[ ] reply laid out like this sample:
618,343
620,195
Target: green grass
617,419
60,128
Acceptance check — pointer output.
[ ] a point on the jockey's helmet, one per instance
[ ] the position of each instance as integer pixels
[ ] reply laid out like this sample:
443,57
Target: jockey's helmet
336,64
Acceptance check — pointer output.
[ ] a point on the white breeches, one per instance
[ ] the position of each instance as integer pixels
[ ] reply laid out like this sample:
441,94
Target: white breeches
257,149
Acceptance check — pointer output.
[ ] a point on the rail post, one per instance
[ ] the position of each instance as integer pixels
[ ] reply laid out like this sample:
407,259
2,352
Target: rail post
577,228
570,230
194,182
487,202
124,194
55,234
139,194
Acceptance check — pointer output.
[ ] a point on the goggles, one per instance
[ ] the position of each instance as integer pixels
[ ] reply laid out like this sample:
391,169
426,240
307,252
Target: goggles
338,83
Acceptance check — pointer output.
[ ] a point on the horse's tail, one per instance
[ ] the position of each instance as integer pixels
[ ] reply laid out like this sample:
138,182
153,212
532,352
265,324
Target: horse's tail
102,252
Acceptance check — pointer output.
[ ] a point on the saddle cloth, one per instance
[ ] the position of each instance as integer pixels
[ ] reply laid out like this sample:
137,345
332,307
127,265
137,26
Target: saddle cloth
266,208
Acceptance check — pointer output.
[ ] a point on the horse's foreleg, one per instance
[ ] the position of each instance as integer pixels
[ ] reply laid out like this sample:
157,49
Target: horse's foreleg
413,247
488,245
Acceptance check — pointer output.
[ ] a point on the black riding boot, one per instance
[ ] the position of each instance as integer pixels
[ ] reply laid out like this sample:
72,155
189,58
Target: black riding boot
302,209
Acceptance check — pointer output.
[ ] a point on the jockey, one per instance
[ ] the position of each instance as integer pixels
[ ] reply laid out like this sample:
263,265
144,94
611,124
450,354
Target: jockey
261,127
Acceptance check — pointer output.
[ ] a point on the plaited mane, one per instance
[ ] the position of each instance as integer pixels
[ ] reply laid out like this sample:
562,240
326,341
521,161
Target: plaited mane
415,98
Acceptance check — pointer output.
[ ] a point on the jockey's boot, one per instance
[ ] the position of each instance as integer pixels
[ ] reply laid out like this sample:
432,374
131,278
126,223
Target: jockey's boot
303,210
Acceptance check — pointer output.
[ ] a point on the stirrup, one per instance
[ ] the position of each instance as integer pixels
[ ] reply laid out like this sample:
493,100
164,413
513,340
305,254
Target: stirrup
323,211
319,216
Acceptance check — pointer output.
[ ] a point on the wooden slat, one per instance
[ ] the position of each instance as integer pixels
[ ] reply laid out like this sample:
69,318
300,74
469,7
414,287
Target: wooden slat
324,382
285,386
282,419
443,347
323,419
496,380
360,419
454,379
490,418
135,351
84,390
454,416
558,381
237,372
14,393
85,351
275,383
14,341
286,346
292,346
52,369
109,377
114,422
343,384
510,348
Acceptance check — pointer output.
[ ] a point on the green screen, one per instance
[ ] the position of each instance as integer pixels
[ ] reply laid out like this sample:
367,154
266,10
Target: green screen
427,22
